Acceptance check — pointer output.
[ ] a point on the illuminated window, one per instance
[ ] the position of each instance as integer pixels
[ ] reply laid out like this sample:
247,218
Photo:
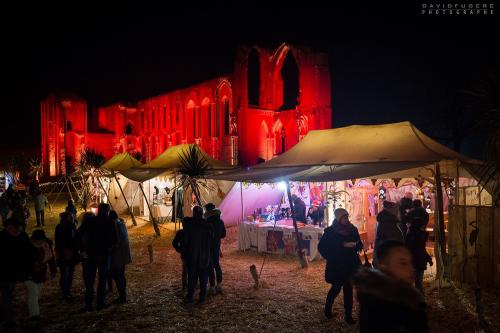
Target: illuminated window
290,76
253,77
210,120
226,117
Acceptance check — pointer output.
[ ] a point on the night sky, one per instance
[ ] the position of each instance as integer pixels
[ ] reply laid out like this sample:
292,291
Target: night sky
388,63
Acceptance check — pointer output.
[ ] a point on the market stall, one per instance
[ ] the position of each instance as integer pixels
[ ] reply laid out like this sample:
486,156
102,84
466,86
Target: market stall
391,152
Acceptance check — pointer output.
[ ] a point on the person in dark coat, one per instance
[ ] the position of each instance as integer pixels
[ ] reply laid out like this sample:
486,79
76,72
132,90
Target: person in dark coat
99,238
21,212
416,240
179,245
387,300
316,213
300,209
4,207
17,256
66,252
418,215
82,240
405,206
340,245
389,227
120,257
198,246
71,208
212,216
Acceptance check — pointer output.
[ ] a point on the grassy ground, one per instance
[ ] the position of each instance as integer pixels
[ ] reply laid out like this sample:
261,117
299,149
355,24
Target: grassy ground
290,301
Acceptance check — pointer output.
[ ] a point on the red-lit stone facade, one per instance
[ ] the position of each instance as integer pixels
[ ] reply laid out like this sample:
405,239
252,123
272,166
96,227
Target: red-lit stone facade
272,99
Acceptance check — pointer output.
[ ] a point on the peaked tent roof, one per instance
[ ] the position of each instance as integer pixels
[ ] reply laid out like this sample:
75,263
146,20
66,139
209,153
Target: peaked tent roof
397,142
170,161
388,150
170,158
121,162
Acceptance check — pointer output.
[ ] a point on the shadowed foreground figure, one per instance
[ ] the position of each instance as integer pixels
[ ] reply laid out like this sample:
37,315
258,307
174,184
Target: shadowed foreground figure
17,257
198,244
388,302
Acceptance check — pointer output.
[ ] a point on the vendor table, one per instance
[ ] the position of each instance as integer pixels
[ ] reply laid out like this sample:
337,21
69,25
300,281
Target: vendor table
161,212
263,238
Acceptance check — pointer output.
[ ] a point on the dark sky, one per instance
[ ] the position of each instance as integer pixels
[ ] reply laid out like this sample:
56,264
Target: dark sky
388,62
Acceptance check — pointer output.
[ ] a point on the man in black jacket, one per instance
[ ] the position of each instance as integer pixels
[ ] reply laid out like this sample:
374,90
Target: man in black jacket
17,256
99,237
212,216
198,245
416,240
66,252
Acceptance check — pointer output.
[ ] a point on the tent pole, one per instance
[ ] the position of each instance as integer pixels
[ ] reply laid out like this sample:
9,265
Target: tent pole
440,235
69,190
153,221
174,203
302,259
134,222
57,196
241,196
105,193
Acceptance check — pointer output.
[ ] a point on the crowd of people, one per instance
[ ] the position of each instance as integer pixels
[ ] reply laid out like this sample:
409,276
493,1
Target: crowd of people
98,242
390,294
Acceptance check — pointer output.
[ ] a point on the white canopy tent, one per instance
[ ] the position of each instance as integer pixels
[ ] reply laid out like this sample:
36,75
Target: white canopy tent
396,150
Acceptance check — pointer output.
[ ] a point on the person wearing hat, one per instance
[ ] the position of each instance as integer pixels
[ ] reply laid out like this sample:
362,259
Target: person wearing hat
340,245
212,215
316,212
17,256
389,227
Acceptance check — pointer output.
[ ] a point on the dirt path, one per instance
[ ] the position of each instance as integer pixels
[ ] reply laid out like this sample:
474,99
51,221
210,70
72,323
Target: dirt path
291,301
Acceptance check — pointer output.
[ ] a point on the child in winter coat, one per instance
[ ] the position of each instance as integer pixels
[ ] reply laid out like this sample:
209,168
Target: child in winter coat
44,259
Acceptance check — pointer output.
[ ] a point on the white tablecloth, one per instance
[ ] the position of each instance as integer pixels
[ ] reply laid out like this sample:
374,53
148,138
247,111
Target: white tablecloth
260,236
161,212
